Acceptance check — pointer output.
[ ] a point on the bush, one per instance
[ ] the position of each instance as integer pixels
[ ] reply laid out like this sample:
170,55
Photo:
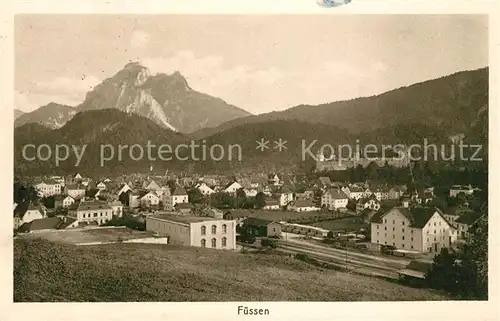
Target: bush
269,243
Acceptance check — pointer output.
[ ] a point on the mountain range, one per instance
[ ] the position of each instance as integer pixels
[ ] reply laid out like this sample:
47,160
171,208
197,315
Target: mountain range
440,109
451,103
168,100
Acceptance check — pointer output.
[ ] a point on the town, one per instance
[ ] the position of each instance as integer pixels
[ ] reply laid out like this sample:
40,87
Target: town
301,214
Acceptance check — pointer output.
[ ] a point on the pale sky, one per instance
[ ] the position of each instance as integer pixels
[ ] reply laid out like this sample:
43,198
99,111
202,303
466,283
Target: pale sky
258,63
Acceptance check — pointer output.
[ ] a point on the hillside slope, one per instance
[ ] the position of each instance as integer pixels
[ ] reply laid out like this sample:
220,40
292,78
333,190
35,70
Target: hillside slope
48,272
452,103
51,115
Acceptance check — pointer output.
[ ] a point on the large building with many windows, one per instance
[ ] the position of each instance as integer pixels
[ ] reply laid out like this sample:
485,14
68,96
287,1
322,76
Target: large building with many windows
194,230
420,229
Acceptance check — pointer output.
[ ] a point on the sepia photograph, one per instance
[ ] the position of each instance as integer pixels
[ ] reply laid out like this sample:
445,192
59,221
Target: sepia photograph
245,158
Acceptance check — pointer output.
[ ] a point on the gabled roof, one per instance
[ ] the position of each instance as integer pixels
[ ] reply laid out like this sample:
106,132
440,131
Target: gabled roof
184,206
325,180
92,192
336,194
75,187
231,183
179,191
304,203
22,208
355,189
41,224
254,221
418,216
93,205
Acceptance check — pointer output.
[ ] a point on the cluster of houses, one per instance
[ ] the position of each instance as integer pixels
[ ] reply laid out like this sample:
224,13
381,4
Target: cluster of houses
408,225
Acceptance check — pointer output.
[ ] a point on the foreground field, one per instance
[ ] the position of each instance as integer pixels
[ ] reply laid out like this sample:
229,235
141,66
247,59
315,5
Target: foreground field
45,271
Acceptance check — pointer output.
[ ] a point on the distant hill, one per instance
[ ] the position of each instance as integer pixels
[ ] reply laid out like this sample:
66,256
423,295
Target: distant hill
94,128
452,104
17,113
167,100
50,272
51,115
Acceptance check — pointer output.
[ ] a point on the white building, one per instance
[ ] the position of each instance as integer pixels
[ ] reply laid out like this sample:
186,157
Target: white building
29,214
418,229
231,188
286,196
205,189
334,199
179,196
101,186
149,198
194,231
371,203
251,192
63,201
117,208
467,190
91,211
303,205
353,192
50,188
76,191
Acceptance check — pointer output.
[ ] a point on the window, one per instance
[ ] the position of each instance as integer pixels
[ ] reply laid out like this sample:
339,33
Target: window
377,233
434,238
434,231
214,230
95,214
403,222
224,240
214,242
402,245
203,230
203,243
427,239
412,246
393,236
224,228
385,220
434,223
439,223
385,242
393,229
411,239
393,244
411,231
403,230
403,237
377,241
377,226
385,228
393,222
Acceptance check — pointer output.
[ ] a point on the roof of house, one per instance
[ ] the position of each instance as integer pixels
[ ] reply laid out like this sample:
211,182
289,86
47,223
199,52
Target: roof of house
254,221
325,180
65,222
418,216
355,189
93,205
469,217
92,192
184,206
75,187
179,191
304,203
41,224
336,194
22,208
183,218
